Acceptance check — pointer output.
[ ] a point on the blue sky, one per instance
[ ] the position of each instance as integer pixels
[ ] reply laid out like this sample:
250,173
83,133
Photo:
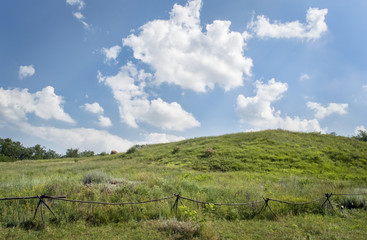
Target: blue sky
105,75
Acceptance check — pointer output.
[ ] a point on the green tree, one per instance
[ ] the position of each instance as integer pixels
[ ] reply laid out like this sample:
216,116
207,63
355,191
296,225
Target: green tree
11,149
51,154
39,152
362,136
72,153
87,154
27,153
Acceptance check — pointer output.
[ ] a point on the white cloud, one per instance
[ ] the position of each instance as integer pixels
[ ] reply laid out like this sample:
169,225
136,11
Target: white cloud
360,128
80,17
258,112
154,138
104,121
181,53
364,86
128,90
26,71
304,77
97,109
80,4
111,54
312,30
82,138
93,108
15,104
168,116
322,112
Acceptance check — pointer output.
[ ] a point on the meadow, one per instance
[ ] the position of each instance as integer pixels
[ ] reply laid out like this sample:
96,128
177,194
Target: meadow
234,168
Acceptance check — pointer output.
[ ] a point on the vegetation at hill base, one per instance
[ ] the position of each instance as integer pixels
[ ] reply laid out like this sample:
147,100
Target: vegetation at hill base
11,151
234,168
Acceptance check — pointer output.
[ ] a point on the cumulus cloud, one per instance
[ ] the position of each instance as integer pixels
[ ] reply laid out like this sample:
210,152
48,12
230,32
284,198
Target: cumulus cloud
154,138
313,29
322,112
26,71
111,53
181,53
15,104
134,106
93,108
258,112
82,138
104,121
97,109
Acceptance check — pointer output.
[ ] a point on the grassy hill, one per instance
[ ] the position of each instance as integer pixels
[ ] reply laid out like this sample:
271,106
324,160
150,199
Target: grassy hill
274,151
235,168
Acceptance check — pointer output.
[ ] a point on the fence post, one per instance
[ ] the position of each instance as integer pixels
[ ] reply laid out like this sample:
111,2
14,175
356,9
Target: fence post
175,205
327,201
266,204
40,204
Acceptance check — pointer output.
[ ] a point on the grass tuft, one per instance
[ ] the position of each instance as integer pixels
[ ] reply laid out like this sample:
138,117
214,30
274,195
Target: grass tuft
95,177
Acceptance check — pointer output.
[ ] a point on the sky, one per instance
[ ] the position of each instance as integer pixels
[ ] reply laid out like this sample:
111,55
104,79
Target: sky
106,75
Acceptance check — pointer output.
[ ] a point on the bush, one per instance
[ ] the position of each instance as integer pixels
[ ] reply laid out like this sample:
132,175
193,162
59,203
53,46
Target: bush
132,149
209,152
178,229
176,150
95,177
6,159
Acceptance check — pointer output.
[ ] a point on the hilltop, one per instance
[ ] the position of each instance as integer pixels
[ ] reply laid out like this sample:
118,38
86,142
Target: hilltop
265,151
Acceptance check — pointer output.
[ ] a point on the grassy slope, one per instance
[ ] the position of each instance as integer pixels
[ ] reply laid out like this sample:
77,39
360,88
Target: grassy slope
267,151
241,168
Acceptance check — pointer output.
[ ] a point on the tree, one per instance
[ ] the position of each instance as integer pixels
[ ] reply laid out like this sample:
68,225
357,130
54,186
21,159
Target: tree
39,152
72,153
361,136
87,154
11,149
51,154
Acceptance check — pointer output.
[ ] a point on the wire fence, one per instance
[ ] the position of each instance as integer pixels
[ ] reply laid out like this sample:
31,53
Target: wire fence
178,199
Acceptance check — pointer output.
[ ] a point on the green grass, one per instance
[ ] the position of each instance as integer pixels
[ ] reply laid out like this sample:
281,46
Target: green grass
238,168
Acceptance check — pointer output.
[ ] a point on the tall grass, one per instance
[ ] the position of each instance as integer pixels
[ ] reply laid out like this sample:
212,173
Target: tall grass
237,168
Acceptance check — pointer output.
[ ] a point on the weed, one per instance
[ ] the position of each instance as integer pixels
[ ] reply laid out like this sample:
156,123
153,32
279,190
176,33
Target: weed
95,177
178,229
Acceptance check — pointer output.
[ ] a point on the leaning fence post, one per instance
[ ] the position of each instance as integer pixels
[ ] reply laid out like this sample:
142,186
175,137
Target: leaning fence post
40,204
48,207
327,201
266,204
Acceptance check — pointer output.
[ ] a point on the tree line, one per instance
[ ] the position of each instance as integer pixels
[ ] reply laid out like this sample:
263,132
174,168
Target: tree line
13,150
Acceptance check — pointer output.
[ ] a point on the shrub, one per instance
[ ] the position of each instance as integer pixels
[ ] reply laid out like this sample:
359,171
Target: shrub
6,159
176,150
95,177
178,229
209,152
132,149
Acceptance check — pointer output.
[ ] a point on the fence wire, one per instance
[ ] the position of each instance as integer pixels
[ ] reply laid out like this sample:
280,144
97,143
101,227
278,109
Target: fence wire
178,198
